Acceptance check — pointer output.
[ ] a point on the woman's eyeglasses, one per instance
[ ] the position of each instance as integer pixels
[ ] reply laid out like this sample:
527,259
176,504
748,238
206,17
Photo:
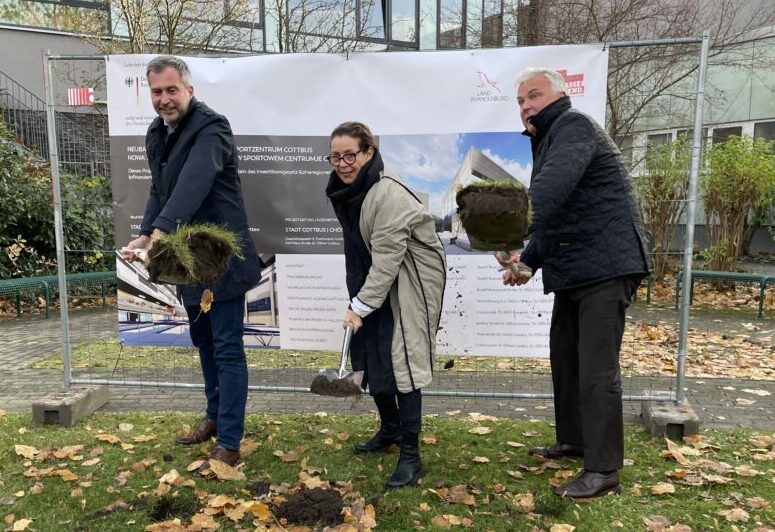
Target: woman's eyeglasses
349,157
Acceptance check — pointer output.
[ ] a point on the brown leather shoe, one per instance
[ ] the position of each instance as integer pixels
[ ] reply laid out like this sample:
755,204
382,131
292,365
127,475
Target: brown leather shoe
558,450
224,455
590,484
202,433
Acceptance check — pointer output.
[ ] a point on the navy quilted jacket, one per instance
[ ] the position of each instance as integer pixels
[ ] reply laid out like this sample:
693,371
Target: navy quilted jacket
586,226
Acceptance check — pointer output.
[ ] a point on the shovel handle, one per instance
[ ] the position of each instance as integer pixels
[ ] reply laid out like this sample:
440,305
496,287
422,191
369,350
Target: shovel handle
348,334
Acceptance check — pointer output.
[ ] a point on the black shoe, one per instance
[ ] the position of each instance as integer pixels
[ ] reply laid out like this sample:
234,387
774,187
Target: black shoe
380,442
409,469
590,484
558,450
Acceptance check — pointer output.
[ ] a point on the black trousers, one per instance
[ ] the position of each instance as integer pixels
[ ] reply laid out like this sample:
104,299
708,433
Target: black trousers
585,339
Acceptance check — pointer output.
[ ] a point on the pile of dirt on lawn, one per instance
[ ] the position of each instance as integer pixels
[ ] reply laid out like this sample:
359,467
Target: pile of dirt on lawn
495,214
312,507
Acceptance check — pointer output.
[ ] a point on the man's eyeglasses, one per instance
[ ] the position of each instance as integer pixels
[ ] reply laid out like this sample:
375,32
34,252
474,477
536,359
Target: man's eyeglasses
349,157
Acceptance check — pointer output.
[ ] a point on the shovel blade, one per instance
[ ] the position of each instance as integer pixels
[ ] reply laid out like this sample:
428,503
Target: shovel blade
329,383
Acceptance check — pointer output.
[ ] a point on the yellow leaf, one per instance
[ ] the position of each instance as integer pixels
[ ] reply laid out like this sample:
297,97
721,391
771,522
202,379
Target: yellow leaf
480,430
26,451
110,438
734,515
196,464
247,447
562,527
21,524
206,301
170,477
144,438
203,522
259,510
662,488
429,439
224,471
524,502
481,460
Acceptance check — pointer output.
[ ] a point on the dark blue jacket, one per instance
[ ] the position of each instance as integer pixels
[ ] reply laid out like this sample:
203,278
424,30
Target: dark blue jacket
194,180
586,225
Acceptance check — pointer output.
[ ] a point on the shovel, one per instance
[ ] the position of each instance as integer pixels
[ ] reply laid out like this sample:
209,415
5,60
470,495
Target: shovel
339,383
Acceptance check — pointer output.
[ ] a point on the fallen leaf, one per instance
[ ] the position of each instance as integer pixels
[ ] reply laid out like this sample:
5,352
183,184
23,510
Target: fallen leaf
734,515
26,451
662,488
429,439
259,510
562,527
224,471
109,438
481,460
515,444
21,524
125,427
480,430
524,502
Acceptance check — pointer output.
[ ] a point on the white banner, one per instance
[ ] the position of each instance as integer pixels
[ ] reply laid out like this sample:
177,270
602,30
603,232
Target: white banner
442,119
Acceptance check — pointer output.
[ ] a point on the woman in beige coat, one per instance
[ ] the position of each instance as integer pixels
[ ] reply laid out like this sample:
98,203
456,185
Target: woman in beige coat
396,272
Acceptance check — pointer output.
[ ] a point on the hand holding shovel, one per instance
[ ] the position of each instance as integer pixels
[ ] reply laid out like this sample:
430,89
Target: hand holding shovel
338,382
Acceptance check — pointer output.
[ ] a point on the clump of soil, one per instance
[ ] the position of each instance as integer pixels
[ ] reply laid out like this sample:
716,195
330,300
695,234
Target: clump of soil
495,215
168,507
258,489
312,507
343,387
192,254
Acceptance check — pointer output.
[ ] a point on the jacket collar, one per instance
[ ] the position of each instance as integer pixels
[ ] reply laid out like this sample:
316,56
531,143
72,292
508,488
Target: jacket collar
546,117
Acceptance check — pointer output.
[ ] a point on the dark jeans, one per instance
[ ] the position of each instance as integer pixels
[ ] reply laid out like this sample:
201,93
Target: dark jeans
585,338
218,335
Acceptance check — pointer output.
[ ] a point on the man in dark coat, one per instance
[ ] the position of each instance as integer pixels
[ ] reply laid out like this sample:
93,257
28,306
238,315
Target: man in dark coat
586,236
192,156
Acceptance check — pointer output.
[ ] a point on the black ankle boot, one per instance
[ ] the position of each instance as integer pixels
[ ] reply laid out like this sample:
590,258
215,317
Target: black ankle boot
409,468
381,441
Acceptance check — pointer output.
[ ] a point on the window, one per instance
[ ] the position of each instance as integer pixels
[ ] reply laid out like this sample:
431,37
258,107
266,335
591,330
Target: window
764,130
492,23
403,19
371,19
82,16
451,24
722,134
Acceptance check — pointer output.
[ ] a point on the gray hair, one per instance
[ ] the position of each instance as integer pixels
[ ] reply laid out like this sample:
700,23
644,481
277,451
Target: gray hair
160,62
556,81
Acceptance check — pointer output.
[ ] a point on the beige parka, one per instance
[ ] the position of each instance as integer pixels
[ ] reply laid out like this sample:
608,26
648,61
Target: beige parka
408,262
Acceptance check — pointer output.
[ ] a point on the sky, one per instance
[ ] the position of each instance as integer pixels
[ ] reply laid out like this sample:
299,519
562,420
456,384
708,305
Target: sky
428,163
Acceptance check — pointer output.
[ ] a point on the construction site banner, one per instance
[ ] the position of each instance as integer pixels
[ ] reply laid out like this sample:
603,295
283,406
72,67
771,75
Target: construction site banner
443,119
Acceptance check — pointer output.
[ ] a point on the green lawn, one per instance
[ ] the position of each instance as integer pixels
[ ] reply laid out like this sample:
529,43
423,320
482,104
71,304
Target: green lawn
481,481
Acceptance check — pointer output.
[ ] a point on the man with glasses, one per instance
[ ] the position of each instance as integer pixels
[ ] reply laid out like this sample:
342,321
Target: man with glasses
193,160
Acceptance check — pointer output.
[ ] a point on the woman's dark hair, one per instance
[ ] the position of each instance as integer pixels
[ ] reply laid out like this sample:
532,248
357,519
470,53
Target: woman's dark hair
356,130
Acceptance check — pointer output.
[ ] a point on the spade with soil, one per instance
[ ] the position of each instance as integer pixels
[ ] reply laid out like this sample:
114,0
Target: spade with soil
339,383
496,217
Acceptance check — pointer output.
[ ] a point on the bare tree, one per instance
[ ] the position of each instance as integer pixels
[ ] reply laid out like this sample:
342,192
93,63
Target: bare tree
641,80
181,26
315,25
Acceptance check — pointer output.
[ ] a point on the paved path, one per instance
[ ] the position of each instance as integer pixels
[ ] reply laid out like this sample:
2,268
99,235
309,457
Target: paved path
24,341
